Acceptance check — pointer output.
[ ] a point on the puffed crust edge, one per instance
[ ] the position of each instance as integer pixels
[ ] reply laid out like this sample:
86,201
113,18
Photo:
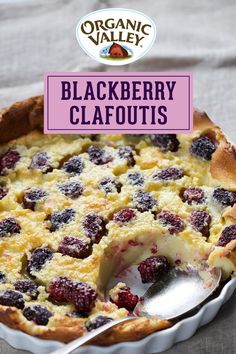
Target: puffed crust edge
23,117
65,329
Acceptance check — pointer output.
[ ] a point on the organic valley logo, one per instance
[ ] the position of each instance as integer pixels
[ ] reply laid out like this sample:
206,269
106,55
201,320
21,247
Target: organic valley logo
116,36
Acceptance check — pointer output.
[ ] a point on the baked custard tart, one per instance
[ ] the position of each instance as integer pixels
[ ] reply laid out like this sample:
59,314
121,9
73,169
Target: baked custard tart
75,208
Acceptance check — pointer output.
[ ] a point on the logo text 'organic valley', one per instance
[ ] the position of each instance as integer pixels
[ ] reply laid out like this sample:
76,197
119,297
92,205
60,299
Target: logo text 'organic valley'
116,36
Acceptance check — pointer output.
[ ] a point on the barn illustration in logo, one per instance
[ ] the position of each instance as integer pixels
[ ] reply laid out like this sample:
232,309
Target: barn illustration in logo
116,52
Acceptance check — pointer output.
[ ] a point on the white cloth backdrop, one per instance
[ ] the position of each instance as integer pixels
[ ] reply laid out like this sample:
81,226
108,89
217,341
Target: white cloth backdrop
192,35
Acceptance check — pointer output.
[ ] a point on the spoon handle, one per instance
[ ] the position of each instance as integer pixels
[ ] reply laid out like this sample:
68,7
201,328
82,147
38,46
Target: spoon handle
67,349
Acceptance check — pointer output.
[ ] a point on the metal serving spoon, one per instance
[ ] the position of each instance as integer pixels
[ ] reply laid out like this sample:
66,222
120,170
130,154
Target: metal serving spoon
177,293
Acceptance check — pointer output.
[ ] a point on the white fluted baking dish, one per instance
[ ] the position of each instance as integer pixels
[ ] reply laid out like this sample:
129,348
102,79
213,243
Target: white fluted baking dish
154,343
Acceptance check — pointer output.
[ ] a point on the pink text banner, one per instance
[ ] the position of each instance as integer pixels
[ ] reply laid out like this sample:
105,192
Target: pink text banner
118,102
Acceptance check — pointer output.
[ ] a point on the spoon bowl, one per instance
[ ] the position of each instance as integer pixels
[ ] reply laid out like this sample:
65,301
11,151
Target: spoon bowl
178,292
175,294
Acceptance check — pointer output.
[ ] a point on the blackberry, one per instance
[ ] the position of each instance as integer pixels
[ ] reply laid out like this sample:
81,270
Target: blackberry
109,185
3,192
73,247
80,294
144,201
41,161
8,227
38,314
71,189
126,299
3,278
166,142
59,289
58,219
200,220
173,221
126,152
97,322
224,197
94,227
8,161
153,268
203,148
39,257
136,179
27,287
193,195
98,156
169,174
74,166
124,216
12,298
227,235
32,196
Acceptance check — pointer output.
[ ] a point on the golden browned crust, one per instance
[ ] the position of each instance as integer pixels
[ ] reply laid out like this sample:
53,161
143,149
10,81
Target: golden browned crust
64,331
130,331
231,215
223,163
68,328
23,117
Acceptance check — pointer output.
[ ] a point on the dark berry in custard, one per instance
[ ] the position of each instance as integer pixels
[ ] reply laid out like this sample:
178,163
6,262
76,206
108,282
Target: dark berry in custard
174,223
97,322
3,192
3,277
203,148
80,294
126,152
200,220
74,166
144,201
166,142
193,195
227,235
73,247
60,218
109,185
59,289
224,197
39,257
169,174
124,216
71,189
41,161
94,227
136,179
27,287
12,298
32,196
8,161
153,268
38,314
125,298
98,156
8,227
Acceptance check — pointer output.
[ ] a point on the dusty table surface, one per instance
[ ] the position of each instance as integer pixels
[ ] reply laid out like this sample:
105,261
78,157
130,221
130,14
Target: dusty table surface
191,36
